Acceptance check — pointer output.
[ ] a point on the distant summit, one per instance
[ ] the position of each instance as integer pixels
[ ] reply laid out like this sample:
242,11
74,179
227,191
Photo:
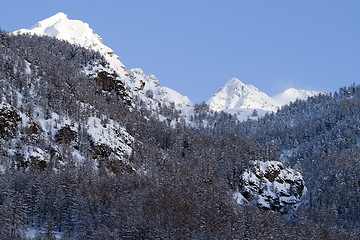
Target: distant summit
246,100
51,20
235,94
292,94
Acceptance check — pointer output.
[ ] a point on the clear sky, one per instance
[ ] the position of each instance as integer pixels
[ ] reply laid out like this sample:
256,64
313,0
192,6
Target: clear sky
196,46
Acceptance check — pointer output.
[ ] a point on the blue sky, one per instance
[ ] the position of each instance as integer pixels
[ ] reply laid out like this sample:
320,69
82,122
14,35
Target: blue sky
196,46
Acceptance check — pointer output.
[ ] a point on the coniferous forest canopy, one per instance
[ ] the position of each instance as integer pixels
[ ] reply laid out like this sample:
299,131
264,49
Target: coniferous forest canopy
177,181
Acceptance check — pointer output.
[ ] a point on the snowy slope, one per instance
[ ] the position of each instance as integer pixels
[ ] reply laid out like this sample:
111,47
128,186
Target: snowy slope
235,97
78,32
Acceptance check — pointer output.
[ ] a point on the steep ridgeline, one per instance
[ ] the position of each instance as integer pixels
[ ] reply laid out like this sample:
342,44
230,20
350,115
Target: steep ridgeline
246,101
144,89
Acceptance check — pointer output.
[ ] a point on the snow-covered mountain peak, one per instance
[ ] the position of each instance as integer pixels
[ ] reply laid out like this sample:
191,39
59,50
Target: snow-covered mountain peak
245,100
166,94
238,86
51,20
235,95
75,32
234,82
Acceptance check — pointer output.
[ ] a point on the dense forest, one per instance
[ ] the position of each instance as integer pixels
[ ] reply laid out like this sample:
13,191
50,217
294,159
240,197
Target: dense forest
81,158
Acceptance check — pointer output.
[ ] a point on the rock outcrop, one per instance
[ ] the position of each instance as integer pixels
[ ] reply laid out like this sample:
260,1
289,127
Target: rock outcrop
9,121
272,186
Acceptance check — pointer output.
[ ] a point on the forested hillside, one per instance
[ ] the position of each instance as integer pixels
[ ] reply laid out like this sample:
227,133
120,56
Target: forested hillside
321,137
81,158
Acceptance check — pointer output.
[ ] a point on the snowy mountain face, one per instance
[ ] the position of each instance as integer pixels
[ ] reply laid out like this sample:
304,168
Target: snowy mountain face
237,98
236,94
246,101
146,88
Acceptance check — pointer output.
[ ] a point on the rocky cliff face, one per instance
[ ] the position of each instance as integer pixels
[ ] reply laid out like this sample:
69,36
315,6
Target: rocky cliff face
270,185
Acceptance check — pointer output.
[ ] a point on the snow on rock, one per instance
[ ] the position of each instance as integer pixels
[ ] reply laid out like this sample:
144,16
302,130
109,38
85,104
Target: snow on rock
110,135
165,94
239,198
148,89
144,82
271,186
10,119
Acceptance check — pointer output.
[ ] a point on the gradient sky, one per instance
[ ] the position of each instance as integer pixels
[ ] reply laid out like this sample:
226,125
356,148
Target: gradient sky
196,46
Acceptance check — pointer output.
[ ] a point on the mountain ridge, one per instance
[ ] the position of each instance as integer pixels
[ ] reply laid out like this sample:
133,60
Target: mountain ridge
234,97
80,33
